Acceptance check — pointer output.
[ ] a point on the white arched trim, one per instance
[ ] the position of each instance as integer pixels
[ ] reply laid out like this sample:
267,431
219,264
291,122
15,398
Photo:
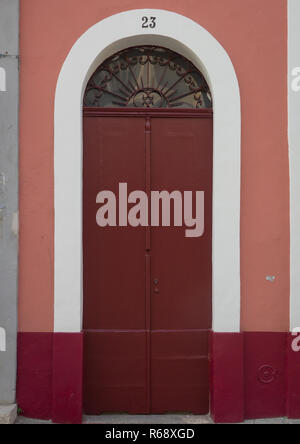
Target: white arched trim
184,36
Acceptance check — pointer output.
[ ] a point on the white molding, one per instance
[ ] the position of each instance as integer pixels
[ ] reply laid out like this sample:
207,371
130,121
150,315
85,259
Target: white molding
102,40
294,148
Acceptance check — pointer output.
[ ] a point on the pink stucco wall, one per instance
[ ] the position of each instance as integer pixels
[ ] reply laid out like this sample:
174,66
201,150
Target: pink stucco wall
254,33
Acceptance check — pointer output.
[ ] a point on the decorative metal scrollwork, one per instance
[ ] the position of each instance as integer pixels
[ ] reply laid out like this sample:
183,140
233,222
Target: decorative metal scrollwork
147,77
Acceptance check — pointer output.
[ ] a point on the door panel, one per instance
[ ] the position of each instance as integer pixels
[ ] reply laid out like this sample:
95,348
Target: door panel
179,372
146,343
114,258
114,272
115,372
181,158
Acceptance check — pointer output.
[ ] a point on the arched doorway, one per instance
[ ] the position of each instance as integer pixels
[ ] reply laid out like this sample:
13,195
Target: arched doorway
186,37
147,310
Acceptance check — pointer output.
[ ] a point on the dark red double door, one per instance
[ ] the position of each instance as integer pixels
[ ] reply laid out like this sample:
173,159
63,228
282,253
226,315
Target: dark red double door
147,292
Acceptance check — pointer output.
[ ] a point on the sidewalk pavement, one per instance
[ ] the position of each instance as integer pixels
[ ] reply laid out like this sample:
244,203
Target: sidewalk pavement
179,419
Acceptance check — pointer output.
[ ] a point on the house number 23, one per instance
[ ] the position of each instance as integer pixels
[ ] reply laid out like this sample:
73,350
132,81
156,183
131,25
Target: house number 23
149,22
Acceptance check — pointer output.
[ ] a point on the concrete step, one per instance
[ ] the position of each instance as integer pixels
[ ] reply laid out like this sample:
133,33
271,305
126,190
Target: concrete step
8,414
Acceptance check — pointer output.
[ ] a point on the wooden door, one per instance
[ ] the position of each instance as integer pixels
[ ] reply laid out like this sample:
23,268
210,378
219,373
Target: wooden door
147,291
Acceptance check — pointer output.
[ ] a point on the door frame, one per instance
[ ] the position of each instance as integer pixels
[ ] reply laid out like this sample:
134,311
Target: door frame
146,114
188,38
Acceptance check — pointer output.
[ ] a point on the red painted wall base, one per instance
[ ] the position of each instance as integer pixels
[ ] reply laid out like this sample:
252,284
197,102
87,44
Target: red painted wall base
265,375
227,377
34,380
67,387
50,376
253,375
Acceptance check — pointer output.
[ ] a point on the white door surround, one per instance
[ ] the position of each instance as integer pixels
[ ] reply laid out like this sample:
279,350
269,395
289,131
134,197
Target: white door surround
188,38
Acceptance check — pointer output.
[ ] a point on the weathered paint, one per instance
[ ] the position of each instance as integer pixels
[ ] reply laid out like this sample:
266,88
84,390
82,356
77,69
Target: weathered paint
9,98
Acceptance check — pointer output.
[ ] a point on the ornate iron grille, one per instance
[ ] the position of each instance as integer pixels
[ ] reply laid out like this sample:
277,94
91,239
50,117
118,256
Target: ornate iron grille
147,77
